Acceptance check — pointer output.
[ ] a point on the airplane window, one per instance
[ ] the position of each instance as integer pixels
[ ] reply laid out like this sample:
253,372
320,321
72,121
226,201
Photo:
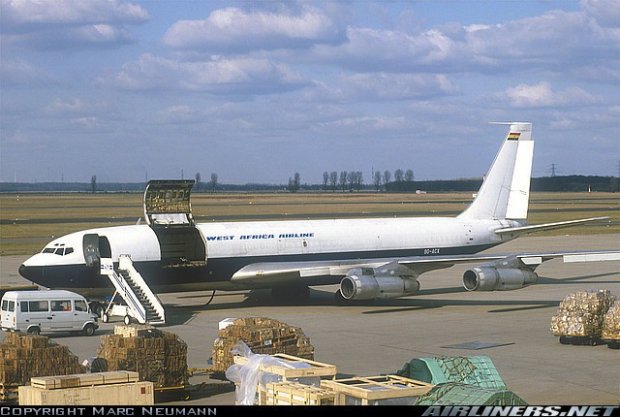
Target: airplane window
59,251
48,250
68,251
38,306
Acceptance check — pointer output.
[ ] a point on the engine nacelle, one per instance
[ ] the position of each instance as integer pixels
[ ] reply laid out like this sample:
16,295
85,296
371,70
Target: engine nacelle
499,276
366,284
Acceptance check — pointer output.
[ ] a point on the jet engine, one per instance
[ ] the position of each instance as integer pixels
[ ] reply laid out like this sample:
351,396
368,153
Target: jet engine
370,284
504,275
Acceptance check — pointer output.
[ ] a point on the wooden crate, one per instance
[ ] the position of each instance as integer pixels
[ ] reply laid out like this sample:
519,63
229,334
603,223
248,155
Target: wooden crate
316,369
294,393
134,393
83,380
375,389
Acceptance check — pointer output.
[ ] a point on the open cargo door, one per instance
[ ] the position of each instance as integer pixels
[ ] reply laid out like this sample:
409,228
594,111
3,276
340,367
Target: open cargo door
168,210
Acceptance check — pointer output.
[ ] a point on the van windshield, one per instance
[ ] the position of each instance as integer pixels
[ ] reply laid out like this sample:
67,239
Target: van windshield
5,305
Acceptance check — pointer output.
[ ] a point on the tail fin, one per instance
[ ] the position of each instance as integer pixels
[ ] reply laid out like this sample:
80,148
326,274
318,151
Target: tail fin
505,191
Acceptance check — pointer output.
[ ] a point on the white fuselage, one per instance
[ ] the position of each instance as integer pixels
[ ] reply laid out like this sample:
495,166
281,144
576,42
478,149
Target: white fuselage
230,246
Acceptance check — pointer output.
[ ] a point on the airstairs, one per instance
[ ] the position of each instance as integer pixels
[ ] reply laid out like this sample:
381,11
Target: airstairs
141,303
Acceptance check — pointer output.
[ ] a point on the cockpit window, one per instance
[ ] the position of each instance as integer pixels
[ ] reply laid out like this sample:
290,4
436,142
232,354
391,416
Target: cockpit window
58,249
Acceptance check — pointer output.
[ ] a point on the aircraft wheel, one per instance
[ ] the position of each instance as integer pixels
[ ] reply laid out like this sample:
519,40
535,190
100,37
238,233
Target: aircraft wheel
89,330
127,320
34,330
105,318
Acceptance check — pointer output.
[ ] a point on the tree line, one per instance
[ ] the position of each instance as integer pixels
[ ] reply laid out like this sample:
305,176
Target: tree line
336,181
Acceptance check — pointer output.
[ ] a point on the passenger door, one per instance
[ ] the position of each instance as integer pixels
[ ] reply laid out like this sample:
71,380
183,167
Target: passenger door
61,312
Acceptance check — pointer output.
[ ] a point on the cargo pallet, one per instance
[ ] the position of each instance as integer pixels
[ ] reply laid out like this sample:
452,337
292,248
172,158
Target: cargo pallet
581,340
8,393
374,390
294,393
315,369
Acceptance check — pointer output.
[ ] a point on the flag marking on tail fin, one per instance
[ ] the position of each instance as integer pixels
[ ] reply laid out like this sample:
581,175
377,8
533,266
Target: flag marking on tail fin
514,136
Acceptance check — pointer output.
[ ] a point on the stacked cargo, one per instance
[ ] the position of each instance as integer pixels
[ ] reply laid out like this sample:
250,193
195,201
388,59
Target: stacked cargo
24,356
580,316
611,326
158,356
262,336
104,388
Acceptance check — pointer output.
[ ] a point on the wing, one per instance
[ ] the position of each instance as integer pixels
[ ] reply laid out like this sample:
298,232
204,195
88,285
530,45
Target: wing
268,274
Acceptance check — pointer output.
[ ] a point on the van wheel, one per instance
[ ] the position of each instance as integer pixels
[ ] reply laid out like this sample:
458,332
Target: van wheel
127,320
34,330
89,330
105,318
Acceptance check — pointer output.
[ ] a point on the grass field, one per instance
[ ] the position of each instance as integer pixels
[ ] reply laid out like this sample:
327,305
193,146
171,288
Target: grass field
29,221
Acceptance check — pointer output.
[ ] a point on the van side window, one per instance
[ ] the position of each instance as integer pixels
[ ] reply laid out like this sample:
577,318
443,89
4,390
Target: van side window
80,305
36,306
23,306
61,305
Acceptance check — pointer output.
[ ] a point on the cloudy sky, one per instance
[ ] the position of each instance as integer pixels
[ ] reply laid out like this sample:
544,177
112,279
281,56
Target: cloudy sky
256,91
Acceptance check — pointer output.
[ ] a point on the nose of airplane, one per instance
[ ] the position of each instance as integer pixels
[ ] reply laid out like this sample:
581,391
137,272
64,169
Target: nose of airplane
25,272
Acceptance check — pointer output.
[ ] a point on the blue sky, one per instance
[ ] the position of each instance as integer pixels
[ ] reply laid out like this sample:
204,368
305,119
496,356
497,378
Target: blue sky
256,91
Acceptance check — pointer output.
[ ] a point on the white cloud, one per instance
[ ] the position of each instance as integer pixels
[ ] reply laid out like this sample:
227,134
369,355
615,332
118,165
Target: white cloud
234,29
61,24
543,95
606,12
20,72
249,76
19,15
384,87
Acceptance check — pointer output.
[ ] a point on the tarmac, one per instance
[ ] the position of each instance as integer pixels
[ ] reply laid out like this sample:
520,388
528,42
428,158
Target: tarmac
379,337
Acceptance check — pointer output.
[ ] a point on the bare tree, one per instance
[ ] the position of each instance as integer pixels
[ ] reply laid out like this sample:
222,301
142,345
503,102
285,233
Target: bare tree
387,177
93,184
351,178
377,180
293,183
213,181
398,175
359,180
198,178
409,175
325,180
343,180
333,180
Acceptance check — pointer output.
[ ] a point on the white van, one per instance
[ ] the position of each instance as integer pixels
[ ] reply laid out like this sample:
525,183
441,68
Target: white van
37,312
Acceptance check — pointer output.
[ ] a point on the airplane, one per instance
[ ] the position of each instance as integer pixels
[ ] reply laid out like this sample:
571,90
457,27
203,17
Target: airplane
370,258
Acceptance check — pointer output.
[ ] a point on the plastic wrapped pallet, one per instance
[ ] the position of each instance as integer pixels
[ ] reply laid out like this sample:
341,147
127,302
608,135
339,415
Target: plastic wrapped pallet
611,323
581,314
249,376
263,336
453,393
159,357
473,370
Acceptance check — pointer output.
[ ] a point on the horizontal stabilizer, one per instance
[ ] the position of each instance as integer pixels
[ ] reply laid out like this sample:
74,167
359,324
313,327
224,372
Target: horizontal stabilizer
547,226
